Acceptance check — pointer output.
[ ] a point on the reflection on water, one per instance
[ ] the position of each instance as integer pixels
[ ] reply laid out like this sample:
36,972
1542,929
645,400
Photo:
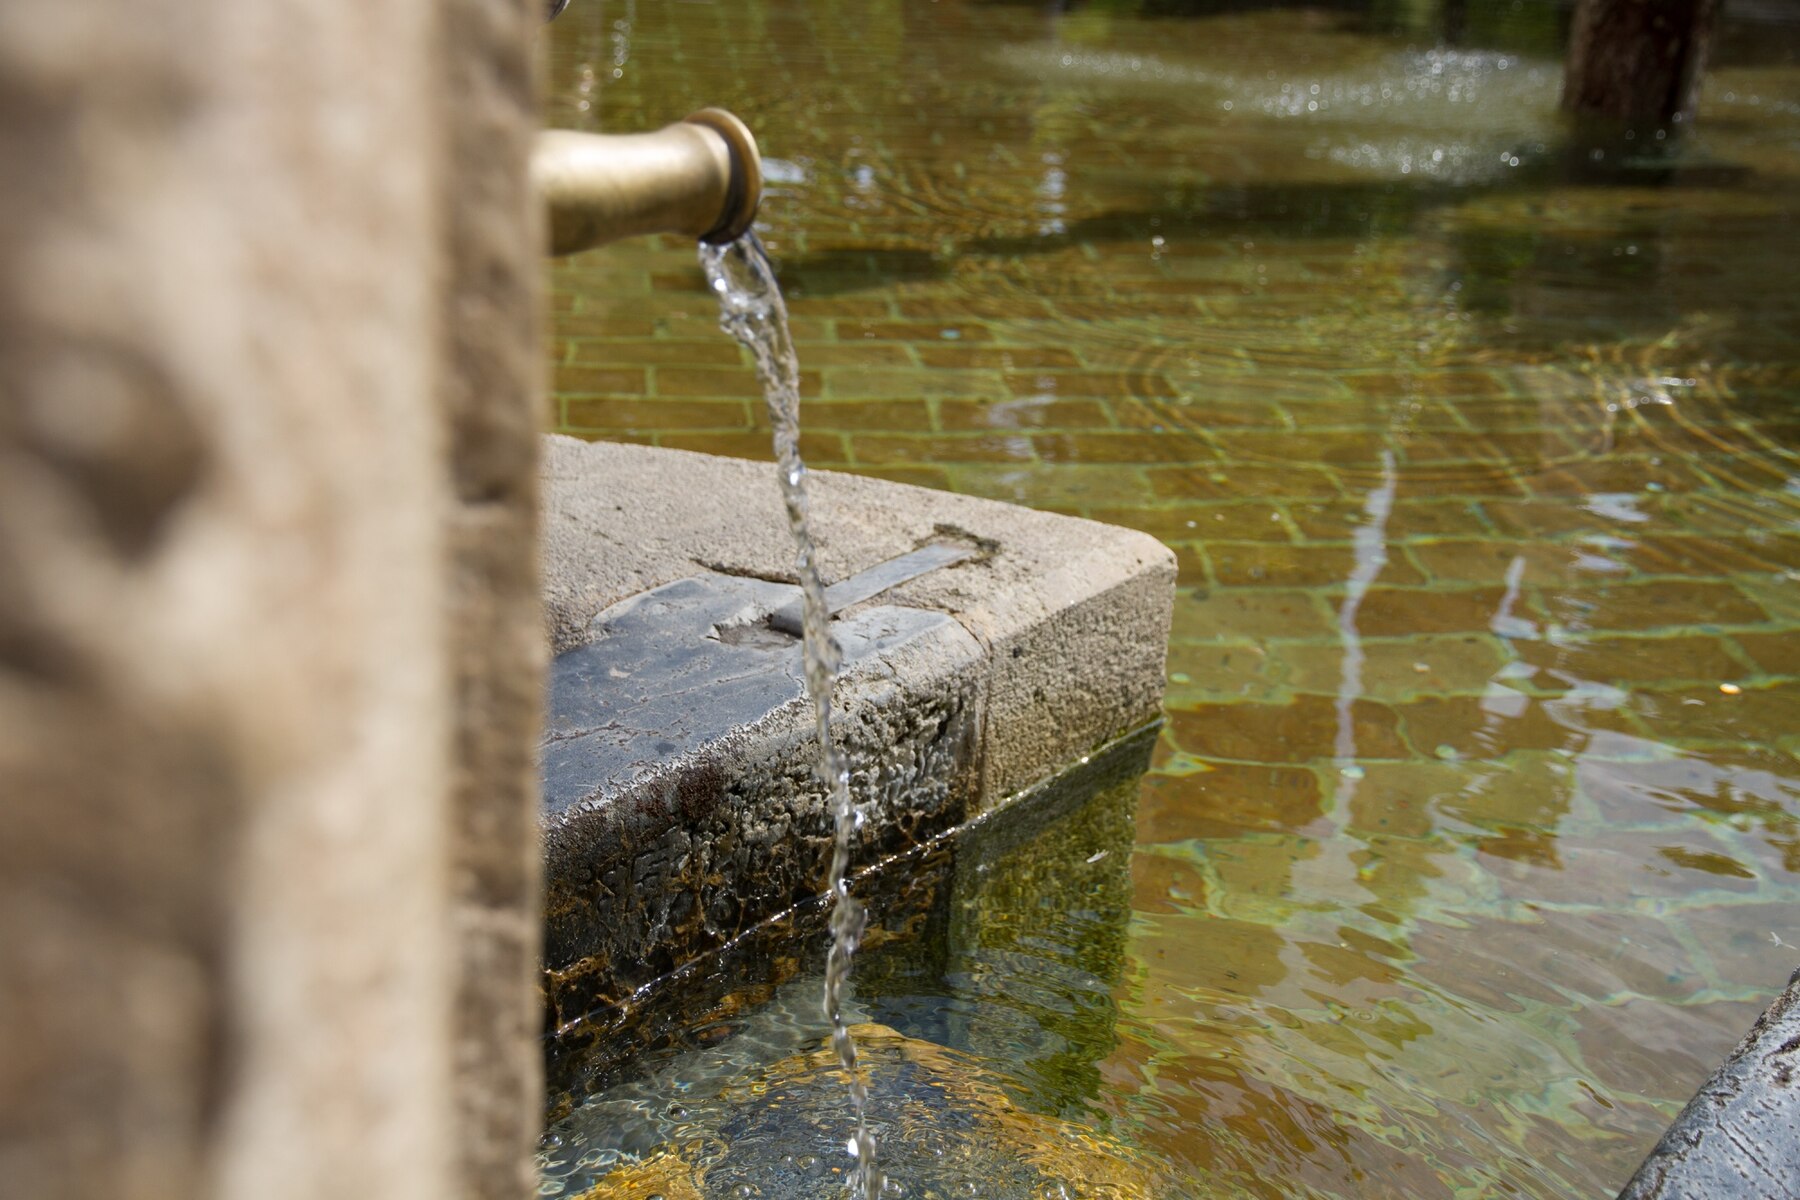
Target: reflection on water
984,1020
1473,839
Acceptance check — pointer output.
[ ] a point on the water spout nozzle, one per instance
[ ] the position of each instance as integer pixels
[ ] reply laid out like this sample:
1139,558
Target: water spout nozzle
701,176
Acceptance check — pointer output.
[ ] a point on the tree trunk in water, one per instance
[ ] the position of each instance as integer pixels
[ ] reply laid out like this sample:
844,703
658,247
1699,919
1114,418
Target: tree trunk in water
1637,62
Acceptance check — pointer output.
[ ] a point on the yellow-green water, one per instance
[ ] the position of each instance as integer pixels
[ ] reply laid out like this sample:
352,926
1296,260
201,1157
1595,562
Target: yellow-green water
1473,839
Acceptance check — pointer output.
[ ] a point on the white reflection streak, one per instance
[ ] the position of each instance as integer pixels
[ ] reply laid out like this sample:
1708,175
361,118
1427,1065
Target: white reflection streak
1370,546
1503,623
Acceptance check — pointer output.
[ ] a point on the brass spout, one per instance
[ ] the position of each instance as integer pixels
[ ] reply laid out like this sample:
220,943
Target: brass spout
701,177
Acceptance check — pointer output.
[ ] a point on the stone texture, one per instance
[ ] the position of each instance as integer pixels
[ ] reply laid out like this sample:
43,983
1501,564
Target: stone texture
267,608
223,700
490,380
1737,1136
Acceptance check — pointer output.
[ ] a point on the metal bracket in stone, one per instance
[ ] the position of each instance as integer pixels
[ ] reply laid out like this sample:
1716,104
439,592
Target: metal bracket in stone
866,585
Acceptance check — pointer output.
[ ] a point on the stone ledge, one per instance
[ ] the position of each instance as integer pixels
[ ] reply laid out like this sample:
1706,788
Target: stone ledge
1739,1137
964,687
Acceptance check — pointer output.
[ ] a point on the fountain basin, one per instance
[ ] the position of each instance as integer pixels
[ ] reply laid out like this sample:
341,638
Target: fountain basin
682,808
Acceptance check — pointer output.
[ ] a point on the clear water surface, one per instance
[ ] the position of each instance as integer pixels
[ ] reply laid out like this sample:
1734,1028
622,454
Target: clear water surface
1472,841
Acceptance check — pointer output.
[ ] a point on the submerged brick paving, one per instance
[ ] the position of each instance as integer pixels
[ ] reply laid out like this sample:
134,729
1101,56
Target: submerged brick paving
1482,487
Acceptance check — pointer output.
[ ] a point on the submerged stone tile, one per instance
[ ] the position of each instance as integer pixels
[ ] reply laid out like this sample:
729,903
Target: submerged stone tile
1030,412
849,382
1520,791
856,354
1206,614
1518,451
1304,729
1633,659
720,381
1402,612
1087,383
593,381
1489,560
1178,522
1164,883
1758,714
817,447
1399,799
1626,871
1754,554
1226,800
715,351
970,308
840,307
1337,521
1111,447
953,355
1570,515
1636,1044
1750,945
1065,487
645,415
597,332
869,416
943,448
1220,956
1243,481
1487,726
1191,564
1206,672
1441,482
1614,475
1397,668
1265,564
1428,383
920,332
1776,594
1650,605
1351,448
1773,653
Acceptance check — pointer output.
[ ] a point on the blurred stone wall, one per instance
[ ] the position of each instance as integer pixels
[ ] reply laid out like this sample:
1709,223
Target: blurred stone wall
268,630
490,384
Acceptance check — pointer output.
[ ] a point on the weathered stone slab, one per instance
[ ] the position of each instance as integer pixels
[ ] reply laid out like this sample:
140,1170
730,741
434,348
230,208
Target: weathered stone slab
682,804
679,667
1739,1137
1072,615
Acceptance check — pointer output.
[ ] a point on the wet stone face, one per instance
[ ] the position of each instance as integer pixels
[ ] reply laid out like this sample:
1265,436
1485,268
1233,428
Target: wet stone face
641,897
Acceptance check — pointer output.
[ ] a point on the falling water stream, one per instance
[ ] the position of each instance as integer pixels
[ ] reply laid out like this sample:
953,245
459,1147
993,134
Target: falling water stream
751,310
